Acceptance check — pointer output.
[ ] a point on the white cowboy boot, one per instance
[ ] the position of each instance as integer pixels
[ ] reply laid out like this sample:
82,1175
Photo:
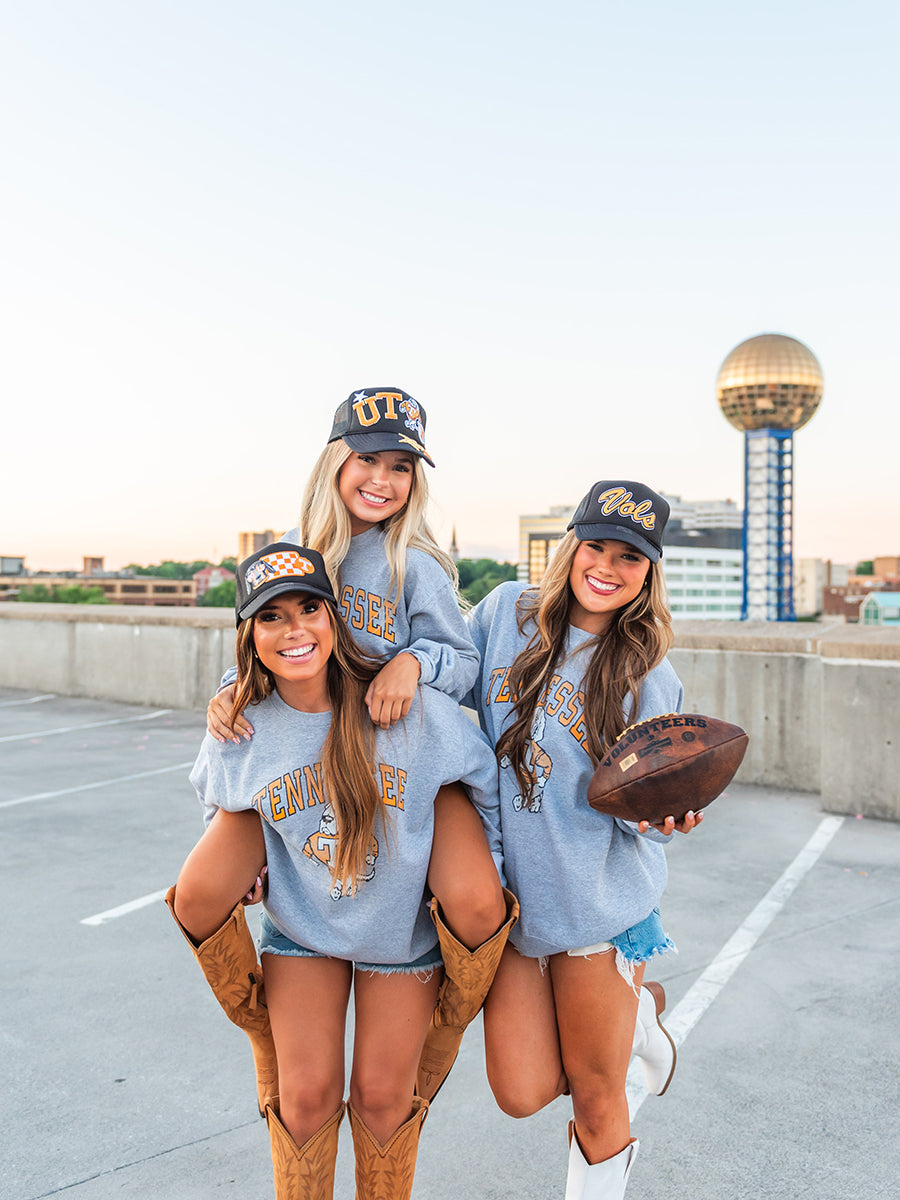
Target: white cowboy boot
605,1180
652,1044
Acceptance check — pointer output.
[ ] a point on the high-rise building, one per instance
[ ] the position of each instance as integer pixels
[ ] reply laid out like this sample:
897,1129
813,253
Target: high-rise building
249,543
539,535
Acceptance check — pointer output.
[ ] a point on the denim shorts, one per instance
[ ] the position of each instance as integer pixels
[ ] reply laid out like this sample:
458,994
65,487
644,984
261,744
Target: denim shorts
273,941
636,945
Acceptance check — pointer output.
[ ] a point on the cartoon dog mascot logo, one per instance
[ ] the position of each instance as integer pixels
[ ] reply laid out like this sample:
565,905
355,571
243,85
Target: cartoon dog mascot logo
321,847
538,762
413,416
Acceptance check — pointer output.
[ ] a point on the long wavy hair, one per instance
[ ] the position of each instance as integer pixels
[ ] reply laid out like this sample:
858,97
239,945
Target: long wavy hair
325,522
348,754
636,641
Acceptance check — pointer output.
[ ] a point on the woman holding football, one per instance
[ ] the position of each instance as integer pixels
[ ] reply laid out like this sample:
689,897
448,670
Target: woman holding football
565,667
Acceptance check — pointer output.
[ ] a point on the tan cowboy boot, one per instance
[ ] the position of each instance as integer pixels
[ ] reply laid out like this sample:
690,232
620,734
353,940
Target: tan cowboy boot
228,960
304,1172
386,1172
468,975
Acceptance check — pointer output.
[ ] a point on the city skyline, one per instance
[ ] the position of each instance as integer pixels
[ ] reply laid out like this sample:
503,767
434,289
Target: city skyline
550,230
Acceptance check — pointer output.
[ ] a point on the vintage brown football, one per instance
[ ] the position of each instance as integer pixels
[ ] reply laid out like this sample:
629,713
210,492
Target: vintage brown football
667,766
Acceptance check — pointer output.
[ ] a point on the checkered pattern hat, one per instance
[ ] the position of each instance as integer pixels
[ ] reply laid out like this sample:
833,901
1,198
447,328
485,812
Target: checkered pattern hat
281,567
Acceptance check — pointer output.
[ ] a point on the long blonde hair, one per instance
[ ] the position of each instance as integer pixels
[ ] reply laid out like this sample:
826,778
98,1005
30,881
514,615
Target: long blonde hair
348,753
636,641
325,523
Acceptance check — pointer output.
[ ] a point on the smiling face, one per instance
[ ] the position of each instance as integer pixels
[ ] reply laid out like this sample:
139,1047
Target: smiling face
293,638
604,577
375,486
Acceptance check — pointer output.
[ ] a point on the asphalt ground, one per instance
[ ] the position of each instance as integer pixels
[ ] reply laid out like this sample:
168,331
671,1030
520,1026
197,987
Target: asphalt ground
122,1078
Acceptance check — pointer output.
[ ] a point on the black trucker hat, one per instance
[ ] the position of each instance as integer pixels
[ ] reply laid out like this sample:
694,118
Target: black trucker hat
280,567
381,419
624,511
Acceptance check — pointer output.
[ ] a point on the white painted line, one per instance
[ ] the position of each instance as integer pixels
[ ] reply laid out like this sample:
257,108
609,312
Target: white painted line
30,700
124,909
697,1000
86,787
42,733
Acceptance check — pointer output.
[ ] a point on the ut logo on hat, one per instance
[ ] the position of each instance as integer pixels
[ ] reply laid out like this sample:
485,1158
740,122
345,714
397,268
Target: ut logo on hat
374,419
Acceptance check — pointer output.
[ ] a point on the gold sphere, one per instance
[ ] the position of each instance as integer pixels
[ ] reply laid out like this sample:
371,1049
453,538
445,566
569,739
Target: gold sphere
770,382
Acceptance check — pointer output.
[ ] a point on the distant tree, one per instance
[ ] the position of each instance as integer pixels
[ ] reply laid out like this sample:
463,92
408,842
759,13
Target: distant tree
230,564
169,569
36,593
477,577
865,568
73,594
220,596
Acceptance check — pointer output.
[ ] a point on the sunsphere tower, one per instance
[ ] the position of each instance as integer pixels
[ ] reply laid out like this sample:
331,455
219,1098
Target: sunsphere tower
769,386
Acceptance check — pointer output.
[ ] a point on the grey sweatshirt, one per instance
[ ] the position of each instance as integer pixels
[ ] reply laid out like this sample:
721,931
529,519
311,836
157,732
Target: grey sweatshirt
425,621
384,919
581,877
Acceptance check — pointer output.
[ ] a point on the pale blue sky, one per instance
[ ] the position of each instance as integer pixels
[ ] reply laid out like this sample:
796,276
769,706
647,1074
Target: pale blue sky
550,224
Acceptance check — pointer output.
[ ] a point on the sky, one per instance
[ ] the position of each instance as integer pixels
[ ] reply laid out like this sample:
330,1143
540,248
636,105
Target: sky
548,223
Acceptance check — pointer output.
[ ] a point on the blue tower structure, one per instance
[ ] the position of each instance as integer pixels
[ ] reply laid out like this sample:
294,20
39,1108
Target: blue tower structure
768,387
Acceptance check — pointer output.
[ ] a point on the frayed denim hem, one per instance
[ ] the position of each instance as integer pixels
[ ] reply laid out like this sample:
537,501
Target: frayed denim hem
626,964
423,973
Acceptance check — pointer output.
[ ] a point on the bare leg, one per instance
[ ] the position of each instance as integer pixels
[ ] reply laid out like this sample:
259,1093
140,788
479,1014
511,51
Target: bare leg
307,1000
220,870
392,1017
595,1012
522,1053
461,873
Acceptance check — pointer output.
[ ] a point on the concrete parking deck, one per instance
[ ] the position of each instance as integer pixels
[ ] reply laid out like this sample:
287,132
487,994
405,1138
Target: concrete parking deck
123,1079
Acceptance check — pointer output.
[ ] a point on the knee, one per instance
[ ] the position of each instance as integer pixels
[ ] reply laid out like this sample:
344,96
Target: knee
305,1099
475,910
524,1097
200,902
378,1095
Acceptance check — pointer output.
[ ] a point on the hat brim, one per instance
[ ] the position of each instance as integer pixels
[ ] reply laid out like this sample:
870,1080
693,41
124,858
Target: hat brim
617,533
278,588
373,442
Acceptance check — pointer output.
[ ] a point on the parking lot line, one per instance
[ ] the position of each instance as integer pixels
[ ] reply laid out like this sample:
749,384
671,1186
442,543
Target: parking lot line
21,737
30,700
697,1000
124,909
86,787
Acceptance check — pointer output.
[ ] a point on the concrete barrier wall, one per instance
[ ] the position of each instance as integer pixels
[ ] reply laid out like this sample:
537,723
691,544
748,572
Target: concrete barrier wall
821,702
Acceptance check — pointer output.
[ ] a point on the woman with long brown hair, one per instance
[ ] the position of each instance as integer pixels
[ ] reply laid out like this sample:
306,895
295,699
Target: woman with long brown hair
565,667
343,813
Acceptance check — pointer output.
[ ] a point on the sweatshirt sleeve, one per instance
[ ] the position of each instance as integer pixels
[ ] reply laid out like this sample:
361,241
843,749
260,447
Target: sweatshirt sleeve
200,778
438,638
219,778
